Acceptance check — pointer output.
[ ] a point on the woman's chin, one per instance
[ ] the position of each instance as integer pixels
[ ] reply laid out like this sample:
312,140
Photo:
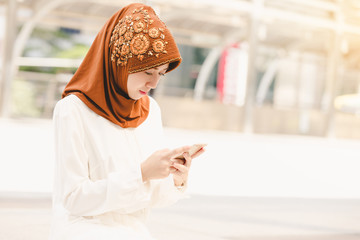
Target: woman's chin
136,97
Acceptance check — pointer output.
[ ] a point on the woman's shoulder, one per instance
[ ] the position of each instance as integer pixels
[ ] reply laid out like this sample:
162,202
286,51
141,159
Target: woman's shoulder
70,104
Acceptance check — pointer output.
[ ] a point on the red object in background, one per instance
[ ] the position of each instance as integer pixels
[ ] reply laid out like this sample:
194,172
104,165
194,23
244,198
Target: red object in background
221,75
232,74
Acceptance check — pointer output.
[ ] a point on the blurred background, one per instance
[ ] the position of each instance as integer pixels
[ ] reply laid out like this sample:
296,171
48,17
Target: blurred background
273,86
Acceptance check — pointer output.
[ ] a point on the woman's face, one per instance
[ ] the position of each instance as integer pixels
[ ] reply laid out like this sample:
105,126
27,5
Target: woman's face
140,83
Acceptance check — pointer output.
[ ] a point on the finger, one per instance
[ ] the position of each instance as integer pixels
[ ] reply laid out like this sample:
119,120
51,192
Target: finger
188,159
181,168
177,160
178,179
198,153
178,151
173,169
179,176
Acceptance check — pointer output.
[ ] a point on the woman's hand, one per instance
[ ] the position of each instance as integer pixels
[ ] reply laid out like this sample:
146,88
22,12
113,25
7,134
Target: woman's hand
158,165
180,168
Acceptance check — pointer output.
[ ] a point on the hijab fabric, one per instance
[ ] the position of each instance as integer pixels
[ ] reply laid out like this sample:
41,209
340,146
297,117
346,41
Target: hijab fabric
134,39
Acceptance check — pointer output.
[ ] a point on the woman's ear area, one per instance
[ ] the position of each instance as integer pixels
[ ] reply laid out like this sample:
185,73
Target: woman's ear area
173,65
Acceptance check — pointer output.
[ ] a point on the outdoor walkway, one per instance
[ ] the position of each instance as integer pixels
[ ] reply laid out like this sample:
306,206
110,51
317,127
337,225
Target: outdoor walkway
210,218
244,187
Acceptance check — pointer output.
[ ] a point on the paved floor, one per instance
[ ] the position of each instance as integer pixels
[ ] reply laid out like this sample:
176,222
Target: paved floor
209,218
262,187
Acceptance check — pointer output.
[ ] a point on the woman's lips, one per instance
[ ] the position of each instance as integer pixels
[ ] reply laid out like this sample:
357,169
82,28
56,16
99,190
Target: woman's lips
142,92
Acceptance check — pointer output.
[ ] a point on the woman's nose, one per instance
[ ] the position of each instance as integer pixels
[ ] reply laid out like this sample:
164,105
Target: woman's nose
153,82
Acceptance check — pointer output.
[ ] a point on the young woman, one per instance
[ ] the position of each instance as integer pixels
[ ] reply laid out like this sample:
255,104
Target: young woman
109,172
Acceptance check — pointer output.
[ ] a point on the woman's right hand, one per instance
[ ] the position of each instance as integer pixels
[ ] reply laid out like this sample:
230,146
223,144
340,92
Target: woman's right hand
158,165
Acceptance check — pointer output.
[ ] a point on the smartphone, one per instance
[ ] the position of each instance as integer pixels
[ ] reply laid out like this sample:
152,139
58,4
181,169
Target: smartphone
194,149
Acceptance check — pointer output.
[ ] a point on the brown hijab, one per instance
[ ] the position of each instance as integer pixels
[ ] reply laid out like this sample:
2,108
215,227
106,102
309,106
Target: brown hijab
134,39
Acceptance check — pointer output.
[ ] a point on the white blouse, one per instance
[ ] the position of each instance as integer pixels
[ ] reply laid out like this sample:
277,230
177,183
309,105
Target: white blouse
98,189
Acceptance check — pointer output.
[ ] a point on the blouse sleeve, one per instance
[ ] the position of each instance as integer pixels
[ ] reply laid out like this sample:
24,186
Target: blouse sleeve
164,192
122,191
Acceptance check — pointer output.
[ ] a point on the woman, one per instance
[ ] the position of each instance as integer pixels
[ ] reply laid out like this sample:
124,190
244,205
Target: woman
108,174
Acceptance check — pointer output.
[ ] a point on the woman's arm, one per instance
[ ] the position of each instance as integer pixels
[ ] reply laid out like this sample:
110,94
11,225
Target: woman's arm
122,191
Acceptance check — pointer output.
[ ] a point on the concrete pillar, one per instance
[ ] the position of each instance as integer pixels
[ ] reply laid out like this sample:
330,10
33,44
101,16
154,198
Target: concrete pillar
251,80
6,76
334,60
20,39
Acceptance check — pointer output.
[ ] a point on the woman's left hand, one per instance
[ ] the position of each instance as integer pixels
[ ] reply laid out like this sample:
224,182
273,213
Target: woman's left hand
180,168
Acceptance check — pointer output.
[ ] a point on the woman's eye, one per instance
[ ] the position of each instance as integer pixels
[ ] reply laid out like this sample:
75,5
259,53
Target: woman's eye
162,74
148,73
